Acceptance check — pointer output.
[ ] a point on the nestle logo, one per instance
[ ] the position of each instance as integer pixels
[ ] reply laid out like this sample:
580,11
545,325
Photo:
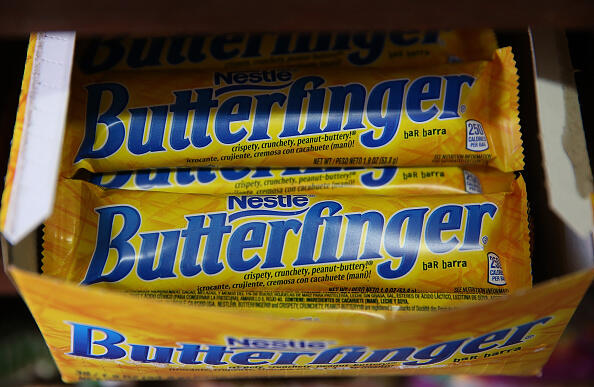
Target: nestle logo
275,343
240,77
282,201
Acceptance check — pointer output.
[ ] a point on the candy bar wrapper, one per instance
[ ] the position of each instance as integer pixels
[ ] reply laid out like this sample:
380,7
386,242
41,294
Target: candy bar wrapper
143,240
269,50
322,181
450,115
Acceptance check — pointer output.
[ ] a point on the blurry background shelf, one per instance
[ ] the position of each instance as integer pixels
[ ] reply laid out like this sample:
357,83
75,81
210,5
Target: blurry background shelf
212,16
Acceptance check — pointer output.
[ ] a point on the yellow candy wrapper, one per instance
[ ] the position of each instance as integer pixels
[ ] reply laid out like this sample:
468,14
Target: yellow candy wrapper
453,114
142,240
322,181
95,334
262,50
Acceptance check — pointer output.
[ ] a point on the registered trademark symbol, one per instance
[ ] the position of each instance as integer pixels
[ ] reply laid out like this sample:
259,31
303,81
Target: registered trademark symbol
462,108
485,239
369,263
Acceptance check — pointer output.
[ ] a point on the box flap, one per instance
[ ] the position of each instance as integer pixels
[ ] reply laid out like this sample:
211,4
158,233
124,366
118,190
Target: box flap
565,157
37,143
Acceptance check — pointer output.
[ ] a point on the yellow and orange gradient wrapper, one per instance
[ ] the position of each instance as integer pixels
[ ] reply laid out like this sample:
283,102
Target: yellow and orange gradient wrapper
143,240
392,49
535,318
453,114
318,181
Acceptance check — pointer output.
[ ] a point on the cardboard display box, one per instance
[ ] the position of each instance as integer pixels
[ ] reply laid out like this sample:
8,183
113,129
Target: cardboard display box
96,334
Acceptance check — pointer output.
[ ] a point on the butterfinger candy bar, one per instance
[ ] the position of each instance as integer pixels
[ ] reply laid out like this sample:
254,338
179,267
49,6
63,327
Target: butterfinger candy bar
328,181
143,240
261,50
456,114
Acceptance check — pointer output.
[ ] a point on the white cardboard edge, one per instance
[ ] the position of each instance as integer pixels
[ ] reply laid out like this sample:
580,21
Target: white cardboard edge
36,173
565,157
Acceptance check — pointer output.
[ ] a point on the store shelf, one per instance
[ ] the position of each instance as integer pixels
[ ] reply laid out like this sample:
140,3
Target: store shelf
184,16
